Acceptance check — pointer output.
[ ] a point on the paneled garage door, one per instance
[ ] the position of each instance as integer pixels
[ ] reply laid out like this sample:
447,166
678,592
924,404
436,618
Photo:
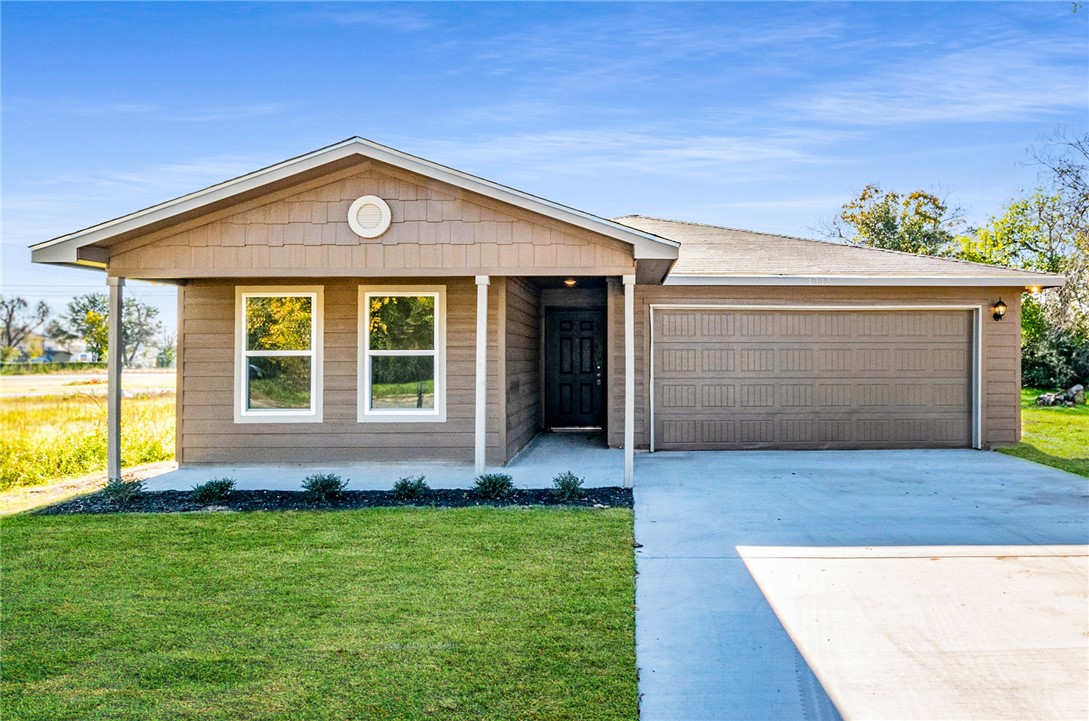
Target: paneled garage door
735,379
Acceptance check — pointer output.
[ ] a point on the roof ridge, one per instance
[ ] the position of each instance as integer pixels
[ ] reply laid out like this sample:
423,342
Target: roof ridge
830,242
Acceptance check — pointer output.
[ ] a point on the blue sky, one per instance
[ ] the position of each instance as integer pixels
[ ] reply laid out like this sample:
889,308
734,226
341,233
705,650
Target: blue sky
765,116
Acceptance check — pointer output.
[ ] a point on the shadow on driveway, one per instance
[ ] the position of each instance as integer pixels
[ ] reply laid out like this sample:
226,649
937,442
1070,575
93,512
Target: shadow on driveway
708,645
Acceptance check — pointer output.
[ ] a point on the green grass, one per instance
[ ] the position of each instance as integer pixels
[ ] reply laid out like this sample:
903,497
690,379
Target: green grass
50,437
476,613
1054,436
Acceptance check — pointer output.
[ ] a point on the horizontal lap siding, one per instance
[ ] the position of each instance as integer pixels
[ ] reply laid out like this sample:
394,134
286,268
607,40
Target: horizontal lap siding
523,364
206,404
1000,413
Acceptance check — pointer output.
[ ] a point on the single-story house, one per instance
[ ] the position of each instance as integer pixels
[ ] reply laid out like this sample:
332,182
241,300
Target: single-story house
358,303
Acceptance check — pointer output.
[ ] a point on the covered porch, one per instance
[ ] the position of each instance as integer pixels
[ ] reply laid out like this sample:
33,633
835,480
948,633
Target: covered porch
583,453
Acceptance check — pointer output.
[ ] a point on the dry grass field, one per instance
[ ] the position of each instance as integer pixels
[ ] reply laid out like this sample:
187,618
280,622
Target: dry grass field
55,427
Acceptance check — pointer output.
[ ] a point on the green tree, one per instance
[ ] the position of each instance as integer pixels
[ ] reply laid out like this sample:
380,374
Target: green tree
86,318
168,351
1033,233
18,321
915,222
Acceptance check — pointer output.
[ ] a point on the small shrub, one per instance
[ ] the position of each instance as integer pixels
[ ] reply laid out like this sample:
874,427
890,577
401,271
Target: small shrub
567,486
323,486
410,488
214,490
493,485
119,492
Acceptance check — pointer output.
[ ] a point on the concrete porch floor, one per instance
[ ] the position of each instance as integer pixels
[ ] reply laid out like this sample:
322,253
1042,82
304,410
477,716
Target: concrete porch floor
584,454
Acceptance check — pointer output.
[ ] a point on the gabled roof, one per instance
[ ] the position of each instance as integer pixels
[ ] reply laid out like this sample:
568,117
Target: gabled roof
713,255
74,248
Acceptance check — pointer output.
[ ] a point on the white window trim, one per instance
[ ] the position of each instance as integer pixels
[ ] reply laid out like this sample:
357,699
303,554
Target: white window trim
313,414
366,414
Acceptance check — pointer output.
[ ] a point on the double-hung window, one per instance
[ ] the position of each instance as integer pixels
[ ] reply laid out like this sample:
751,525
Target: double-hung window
402,359
278,358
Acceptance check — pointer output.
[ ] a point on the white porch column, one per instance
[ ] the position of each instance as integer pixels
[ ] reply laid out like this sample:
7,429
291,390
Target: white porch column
114,358
482,282
629,380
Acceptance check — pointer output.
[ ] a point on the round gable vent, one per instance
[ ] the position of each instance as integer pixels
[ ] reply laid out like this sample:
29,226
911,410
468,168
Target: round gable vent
369,216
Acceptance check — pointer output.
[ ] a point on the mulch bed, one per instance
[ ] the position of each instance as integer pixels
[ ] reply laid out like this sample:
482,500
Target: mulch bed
180,501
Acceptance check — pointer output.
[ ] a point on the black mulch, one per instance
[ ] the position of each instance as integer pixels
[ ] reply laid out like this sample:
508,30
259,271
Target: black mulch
180,501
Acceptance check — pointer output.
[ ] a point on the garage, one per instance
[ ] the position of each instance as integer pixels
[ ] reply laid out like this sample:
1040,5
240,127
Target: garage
732,378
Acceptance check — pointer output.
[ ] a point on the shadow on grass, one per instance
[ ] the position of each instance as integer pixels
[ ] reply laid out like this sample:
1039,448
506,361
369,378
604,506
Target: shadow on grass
1029,452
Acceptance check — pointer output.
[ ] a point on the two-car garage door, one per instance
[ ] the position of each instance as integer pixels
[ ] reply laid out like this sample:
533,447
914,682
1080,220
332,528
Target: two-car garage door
742,378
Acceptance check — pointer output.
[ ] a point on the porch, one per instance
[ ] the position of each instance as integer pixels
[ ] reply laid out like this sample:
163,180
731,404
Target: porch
548,454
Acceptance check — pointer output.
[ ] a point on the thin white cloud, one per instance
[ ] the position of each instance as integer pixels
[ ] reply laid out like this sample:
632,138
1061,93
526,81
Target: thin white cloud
30,210
146,111
382,16
1025,81
721,158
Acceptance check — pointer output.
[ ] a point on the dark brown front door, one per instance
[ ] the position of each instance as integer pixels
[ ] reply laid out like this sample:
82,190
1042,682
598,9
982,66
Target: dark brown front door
575,368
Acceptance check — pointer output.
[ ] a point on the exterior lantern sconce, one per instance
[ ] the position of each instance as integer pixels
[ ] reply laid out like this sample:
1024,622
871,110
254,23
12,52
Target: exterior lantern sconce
570,282
999,310
1034,289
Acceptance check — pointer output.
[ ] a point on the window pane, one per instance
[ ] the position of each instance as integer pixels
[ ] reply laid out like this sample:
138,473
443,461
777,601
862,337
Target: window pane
400,322
402,382
279,382
278,323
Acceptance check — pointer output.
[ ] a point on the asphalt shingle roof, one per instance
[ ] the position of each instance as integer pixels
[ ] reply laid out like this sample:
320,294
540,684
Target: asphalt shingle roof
709,250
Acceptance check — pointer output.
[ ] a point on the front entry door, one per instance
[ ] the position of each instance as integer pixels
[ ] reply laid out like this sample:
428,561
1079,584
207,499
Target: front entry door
575,368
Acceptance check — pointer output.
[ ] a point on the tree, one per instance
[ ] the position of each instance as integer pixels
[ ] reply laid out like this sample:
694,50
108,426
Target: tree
139,328
19,321
168,351
86,319
917,222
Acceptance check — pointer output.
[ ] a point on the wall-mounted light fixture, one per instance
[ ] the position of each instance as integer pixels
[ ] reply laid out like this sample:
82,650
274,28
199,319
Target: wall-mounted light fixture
999,309
1033,289
570,282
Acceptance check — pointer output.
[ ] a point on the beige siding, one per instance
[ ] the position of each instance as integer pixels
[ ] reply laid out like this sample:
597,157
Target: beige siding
523,364
206,411
437,230
1000,412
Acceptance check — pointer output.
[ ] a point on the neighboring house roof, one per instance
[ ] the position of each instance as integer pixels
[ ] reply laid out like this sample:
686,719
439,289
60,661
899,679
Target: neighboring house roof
66,249
713,255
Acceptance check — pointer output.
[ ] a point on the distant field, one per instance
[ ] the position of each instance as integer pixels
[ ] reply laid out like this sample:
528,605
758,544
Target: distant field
93,383
1054,436
50,437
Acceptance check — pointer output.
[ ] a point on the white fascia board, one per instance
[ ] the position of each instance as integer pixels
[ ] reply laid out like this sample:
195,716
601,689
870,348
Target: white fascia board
646,245
1028,279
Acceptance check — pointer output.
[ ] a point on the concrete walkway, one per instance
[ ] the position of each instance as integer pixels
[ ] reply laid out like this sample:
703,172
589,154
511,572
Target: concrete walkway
708,643
547,455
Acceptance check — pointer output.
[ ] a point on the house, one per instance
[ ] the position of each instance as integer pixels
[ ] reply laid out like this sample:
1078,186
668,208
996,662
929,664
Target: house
358,303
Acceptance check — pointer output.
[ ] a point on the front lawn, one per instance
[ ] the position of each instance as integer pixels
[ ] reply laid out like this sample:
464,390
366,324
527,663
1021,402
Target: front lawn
1055,436
476,613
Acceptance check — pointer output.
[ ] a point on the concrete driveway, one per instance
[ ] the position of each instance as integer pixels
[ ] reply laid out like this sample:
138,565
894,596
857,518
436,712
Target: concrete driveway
709,645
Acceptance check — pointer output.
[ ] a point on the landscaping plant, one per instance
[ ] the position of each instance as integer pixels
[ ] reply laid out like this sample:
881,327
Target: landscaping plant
410,488
493,485
568,487
213,491
321,487
120,492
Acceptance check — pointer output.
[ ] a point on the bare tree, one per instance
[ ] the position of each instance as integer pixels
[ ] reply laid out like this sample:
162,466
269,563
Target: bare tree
19,320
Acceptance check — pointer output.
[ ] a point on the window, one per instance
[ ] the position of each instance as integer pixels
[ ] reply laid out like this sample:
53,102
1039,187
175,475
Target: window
402,360
278,358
